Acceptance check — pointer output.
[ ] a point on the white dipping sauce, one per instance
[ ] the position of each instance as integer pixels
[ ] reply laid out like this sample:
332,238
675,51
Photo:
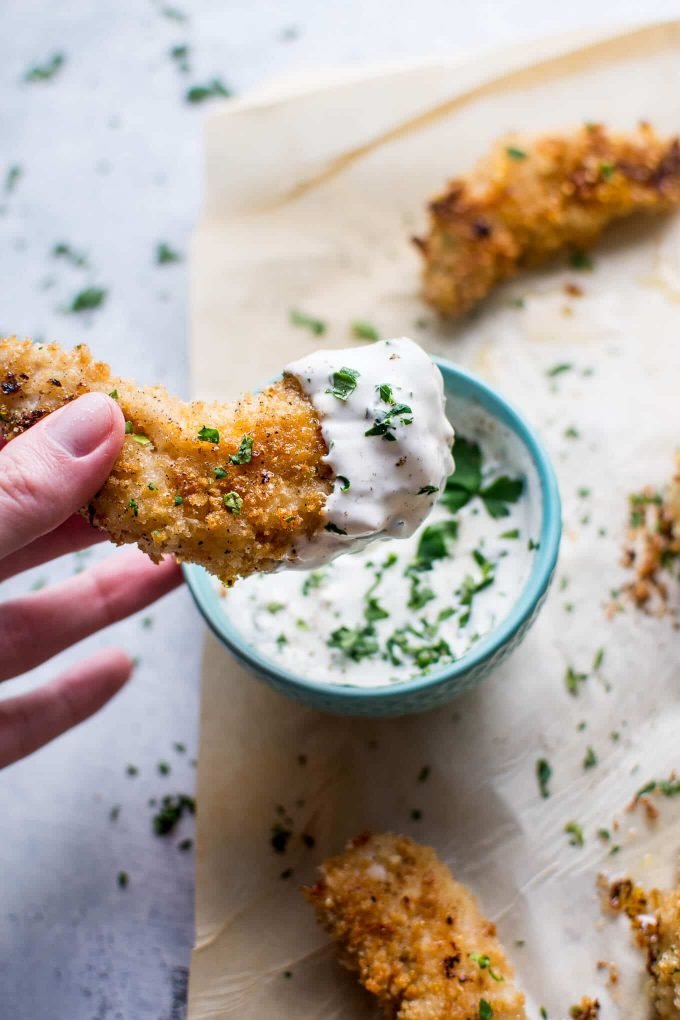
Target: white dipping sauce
385,483
382,615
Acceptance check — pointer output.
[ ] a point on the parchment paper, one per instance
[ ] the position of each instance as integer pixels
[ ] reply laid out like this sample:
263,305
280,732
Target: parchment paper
310,201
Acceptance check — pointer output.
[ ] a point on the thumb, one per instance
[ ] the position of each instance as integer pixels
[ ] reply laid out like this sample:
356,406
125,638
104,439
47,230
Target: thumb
50,471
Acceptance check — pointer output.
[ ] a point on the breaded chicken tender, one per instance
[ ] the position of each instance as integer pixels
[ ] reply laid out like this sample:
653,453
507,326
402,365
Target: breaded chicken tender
415,936
655,918
230,486
531,197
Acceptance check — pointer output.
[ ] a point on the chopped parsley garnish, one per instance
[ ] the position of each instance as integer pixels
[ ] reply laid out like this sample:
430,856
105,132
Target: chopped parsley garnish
132,770
334,529
128,428
374,611
573,680
580,260
172,809
184,845
344,482
163,768
122,879
543,775
419,595
180,54
513,533
571,432
179,500
87,300
424,774
575,833
485,1010
114,394
598,660
275,607
515,153
46,71
606,170
140,439
281,641
356,643
343,383
233,502
590,759
434,543
385,422
65,251
564,366
315,580
310,322
385,393
427,490
134,506
483,961
364,330
532,545
214,89
207,435
466,483
165,254
12,177
244,454
220,472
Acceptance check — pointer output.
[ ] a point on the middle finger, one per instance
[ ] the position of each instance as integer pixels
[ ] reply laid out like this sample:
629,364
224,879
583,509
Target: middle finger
35,627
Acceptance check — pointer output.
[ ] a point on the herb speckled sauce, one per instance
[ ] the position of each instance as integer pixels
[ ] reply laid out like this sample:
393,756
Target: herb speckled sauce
383,419
399,608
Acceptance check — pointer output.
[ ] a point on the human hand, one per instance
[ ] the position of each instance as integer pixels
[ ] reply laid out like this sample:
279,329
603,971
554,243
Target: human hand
46,474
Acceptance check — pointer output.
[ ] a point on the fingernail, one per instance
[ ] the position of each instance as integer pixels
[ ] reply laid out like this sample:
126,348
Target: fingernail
81,427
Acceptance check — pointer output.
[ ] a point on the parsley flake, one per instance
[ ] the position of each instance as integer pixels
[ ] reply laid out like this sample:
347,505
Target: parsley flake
46,71
166,255
244,454
207,435
87,300
575,833
233,502
310,322
343,383
543,775
515,153
485,1010
215,88
364,331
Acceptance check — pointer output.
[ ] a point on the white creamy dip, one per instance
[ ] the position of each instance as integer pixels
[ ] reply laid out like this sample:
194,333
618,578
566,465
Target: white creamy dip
383,419
399,609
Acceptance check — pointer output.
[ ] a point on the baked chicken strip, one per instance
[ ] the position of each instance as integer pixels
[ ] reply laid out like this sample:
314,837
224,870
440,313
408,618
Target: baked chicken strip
531,197
655,919
415,936
243,487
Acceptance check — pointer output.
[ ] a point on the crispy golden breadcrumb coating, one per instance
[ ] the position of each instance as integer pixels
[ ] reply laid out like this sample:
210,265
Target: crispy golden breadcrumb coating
655,919
586,1009
171,491
652,545
529,198
415,936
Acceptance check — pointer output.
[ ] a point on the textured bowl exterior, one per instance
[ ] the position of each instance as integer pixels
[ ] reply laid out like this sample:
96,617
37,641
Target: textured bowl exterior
442,685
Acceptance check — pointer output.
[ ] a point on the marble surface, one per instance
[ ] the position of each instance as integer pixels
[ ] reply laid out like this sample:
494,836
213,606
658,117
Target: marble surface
109,158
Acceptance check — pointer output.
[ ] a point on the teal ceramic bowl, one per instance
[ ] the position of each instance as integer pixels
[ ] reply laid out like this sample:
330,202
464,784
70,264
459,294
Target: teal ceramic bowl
463,392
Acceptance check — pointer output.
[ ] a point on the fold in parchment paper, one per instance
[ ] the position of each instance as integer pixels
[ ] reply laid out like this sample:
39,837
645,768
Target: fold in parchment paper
311,200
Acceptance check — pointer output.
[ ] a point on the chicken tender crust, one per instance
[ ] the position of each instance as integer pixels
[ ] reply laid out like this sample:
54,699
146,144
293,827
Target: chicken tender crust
655,919
529,198
233,507
415,936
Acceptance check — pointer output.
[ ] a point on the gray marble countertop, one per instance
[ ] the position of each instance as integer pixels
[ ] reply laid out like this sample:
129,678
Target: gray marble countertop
108,160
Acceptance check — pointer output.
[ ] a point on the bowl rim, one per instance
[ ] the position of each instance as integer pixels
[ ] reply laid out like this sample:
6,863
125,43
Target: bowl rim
200,582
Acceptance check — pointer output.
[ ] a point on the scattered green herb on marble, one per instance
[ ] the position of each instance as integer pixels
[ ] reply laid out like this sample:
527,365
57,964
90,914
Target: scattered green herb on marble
46,71
165,255
12,177
590,759
214,89
65,251
564,366
88,299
